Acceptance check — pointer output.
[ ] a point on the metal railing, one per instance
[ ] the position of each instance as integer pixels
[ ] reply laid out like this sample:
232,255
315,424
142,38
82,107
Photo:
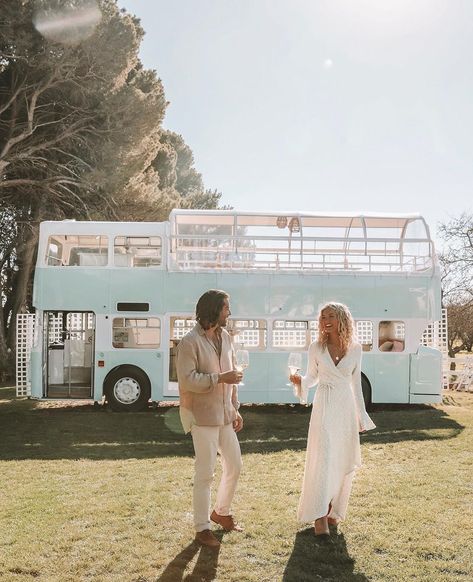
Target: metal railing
202,252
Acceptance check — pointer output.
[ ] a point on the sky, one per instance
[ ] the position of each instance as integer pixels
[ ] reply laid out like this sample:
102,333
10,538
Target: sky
321,105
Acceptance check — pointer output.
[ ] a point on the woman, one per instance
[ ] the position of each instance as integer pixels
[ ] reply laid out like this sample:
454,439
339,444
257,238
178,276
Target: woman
338,415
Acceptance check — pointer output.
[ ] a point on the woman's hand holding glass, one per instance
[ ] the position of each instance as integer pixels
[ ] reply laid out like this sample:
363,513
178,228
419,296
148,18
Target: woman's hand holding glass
294,364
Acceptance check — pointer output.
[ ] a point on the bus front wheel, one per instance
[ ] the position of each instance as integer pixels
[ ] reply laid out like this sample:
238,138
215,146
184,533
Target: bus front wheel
366,389
127,389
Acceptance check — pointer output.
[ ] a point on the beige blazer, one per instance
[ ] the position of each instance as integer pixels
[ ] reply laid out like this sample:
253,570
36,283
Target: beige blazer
203,401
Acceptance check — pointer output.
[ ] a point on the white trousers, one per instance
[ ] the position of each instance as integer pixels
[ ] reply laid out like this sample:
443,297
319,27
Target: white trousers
208,441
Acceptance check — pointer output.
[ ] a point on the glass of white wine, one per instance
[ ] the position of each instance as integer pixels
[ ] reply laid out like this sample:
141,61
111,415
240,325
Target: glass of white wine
242,361
294,363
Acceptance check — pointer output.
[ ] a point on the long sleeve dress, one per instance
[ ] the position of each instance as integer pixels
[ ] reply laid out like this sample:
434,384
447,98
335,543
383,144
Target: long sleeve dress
333,442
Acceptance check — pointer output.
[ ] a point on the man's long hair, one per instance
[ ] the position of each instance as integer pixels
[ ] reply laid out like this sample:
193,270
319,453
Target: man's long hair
209,306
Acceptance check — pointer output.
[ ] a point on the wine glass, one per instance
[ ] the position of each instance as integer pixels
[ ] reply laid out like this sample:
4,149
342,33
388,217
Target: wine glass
294,363
242,361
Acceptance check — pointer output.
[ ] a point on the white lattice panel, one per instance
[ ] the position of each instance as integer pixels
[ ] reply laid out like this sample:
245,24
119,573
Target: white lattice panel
290,334
24,342
364,332
314,330
248,333
436,334
250,338
55,328
181,326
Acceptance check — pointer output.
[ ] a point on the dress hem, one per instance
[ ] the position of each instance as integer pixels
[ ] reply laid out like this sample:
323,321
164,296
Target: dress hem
331,512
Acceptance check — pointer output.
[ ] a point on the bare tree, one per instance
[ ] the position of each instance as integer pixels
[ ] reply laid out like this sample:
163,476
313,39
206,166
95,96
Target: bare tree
457,281
457,259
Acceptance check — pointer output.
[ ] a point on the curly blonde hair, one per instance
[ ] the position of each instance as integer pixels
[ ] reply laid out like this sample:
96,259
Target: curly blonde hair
346,325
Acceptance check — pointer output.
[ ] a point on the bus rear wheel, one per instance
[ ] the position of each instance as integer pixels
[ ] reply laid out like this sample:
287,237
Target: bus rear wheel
127,389
366,389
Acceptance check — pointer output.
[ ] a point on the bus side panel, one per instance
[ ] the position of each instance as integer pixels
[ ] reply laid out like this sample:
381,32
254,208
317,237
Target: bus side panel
295,296
83,286
368,368
148,289
150,361
400,295
266,379
182,290
391,381
359,293
250,293
256,378
426,375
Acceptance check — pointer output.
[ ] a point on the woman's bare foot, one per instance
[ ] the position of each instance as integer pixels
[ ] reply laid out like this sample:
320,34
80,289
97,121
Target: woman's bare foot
321,526
333,521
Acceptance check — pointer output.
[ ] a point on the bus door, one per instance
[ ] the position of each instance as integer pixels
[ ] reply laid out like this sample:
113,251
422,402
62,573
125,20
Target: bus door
69,351
392,364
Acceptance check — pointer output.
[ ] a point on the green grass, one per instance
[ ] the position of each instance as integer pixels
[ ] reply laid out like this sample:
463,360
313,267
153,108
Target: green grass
87,494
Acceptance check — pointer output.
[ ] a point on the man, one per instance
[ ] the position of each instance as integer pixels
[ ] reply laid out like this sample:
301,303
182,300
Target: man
209,410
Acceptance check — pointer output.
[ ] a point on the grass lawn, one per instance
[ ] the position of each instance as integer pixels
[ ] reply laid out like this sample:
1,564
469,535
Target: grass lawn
87,494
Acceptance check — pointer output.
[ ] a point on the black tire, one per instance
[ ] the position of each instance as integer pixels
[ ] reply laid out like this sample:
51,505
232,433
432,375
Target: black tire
366,388
127,389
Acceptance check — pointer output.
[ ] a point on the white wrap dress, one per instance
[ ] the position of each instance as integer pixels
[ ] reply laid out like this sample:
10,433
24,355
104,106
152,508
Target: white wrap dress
333,442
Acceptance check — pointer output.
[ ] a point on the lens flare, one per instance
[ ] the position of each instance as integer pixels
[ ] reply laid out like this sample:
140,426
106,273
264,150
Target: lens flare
70,25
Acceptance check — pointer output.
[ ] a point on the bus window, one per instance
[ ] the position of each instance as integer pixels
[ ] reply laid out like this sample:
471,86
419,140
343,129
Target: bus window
179,326
290,335
54,252
143,333
364,333
68,250
249,334
314,330
391,337
137,251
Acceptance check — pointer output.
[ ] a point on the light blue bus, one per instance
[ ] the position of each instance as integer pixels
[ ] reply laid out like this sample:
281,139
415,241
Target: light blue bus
113,300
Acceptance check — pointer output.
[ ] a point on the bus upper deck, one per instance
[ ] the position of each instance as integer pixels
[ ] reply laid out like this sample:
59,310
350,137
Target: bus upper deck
229,240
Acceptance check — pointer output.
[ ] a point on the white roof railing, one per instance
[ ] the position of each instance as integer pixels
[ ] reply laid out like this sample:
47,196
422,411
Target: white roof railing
284,241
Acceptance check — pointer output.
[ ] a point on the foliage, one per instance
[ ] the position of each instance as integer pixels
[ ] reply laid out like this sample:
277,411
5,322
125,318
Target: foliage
457,281
80,134
460,328
457,259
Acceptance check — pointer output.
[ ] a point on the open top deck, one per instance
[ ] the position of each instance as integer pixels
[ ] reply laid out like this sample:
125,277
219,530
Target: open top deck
288,241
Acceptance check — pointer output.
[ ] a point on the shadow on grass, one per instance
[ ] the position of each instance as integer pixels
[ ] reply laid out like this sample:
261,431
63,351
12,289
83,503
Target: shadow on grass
205,568
34,430
312,560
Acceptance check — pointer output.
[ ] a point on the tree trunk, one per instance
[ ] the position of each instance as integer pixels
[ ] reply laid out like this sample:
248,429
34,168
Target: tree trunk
5,363
26,254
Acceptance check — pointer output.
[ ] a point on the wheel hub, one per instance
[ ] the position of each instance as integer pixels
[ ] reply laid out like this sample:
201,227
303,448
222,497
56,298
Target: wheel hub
127,390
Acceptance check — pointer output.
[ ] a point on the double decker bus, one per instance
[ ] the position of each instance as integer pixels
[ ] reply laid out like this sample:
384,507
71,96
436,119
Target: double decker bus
113,299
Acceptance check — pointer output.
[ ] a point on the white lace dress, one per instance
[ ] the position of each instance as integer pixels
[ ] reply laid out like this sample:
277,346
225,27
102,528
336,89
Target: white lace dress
333,442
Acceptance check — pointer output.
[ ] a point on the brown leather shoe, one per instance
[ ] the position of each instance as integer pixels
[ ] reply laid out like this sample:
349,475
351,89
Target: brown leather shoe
321,527
207,538
226,521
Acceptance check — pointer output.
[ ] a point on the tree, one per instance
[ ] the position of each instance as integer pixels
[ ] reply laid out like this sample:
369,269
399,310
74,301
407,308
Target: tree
460,328
80,136
457,281
457,259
